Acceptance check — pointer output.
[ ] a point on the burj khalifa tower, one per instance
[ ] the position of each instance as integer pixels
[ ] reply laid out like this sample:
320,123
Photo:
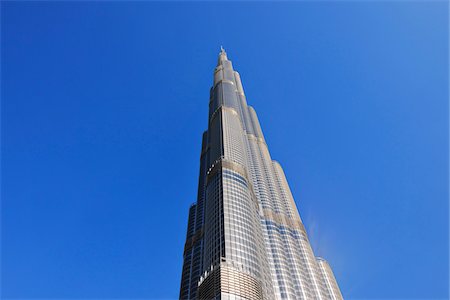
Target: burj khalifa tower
245,238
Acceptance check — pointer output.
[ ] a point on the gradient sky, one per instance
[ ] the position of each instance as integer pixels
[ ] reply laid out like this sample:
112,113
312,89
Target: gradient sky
104,104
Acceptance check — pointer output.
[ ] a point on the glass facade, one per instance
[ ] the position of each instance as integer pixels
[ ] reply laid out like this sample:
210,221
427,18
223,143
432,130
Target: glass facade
245,238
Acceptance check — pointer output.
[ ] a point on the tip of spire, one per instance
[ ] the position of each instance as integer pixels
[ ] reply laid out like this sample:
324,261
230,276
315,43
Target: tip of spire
222,56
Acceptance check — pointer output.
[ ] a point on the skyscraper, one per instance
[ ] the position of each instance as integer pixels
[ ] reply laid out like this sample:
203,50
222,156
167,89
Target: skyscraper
245,238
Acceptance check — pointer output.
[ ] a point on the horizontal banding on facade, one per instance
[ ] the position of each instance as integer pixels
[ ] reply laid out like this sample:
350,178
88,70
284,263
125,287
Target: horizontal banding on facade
224,81
255,138
219,110
223,163
282,219
226,279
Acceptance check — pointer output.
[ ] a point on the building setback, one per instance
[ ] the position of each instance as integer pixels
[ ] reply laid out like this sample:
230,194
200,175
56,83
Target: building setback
245,238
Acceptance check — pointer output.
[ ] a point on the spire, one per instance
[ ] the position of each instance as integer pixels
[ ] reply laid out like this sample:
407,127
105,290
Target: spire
222,56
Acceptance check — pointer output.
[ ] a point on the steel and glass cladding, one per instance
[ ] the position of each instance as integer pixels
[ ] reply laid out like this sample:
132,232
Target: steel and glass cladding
245,238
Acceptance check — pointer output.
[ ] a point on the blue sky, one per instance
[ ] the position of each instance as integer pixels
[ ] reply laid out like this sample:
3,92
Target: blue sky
103,107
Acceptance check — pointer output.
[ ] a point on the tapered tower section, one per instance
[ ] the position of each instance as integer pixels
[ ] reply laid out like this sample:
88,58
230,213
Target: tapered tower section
245,238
